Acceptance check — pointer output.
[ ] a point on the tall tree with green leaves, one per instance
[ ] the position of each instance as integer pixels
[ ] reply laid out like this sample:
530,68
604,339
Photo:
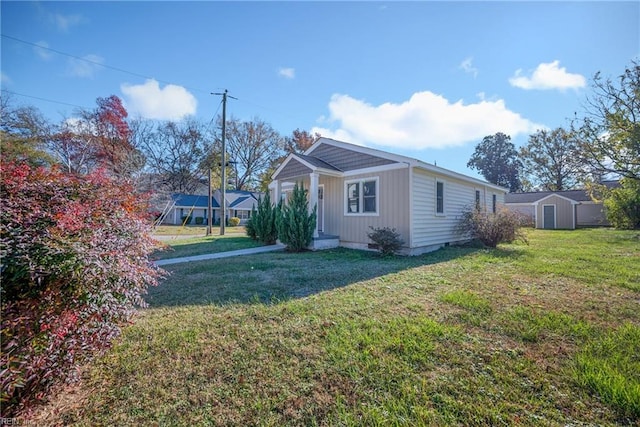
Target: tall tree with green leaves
23,134
609,134
497,161
609,143
549,160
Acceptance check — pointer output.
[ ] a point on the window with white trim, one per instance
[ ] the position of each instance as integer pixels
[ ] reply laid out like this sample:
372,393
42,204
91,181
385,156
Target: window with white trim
439,198
361,196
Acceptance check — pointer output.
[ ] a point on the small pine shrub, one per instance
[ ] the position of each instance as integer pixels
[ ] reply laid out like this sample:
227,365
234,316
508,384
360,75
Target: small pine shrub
186,219
295,223
504,226
234,221
249,228
199,220
386,239
263,221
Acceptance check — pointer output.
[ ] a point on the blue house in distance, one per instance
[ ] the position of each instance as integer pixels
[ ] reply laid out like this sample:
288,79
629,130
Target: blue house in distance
238,204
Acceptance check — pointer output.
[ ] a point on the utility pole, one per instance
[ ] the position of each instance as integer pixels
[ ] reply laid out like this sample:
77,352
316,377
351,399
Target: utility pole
223,163
210,206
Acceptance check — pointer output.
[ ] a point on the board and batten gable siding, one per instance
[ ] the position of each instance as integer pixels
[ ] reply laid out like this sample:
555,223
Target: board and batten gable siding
565,218
393,207
348,160
433,229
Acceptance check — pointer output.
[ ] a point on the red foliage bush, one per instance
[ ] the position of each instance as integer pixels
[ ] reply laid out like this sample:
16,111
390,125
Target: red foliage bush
74,265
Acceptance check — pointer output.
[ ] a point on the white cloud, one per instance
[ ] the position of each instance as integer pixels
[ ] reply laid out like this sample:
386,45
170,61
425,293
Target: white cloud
548,76
5,79
426,120
41,50
64,22
85,66
287,73
152,102
467,66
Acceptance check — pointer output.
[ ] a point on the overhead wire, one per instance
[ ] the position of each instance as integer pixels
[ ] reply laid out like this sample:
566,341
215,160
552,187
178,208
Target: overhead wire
97,63
121,70
42,99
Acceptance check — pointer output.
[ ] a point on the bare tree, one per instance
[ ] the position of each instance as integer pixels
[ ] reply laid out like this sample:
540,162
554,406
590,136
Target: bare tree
174,152
252,146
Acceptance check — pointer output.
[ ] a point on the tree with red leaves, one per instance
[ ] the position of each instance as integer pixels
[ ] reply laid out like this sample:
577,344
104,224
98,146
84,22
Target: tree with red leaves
98,139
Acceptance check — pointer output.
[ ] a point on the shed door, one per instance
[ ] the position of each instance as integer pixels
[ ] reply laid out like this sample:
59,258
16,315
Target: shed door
549,216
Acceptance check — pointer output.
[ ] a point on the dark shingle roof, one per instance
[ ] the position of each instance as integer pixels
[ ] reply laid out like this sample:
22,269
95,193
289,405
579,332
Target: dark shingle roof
317,162
577,195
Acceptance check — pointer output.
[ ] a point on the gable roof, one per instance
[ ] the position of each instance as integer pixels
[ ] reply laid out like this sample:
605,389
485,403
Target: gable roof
573,202
576,195
339,158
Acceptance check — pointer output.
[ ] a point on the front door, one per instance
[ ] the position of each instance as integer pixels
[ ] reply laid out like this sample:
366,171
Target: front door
320,218
549,217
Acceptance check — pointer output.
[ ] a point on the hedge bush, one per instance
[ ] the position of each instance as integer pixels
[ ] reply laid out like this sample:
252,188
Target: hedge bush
75,265
504,226
386,239
234,221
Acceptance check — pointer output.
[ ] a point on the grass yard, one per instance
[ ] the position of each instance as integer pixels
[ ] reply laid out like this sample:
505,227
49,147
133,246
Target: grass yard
541,334
183,245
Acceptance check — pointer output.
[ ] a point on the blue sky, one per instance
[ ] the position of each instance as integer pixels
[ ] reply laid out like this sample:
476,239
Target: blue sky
424,79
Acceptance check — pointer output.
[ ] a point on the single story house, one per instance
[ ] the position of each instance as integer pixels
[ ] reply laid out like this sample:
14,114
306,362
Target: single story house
356,188
559,209
238,203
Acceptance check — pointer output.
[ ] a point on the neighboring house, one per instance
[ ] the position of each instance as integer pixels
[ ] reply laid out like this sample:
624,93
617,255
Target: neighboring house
559,209
238,204
356,188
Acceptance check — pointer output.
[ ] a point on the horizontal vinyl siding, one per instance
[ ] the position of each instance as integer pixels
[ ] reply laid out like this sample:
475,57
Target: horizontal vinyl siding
430,228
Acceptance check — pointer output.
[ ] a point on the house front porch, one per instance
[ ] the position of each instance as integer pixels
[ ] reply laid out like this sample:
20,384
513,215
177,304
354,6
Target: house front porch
324,241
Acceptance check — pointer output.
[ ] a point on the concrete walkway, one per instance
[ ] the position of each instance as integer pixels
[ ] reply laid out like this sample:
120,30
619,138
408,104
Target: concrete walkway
239,252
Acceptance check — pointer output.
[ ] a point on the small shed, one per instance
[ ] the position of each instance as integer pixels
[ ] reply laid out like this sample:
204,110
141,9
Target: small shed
568,209
555,211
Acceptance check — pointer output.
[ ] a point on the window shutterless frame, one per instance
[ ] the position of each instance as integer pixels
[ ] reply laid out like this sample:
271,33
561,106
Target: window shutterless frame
362,197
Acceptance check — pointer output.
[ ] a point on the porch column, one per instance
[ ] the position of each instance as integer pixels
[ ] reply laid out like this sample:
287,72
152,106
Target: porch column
313,196
275,185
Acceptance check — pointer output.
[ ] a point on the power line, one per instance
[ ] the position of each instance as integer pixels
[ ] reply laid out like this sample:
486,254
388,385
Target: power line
121,70
42,99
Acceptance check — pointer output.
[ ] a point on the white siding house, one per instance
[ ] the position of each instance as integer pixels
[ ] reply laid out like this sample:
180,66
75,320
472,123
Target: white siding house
356,188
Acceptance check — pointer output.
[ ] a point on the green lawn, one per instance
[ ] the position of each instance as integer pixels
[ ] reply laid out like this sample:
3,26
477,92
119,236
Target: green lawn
539,334
196,243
